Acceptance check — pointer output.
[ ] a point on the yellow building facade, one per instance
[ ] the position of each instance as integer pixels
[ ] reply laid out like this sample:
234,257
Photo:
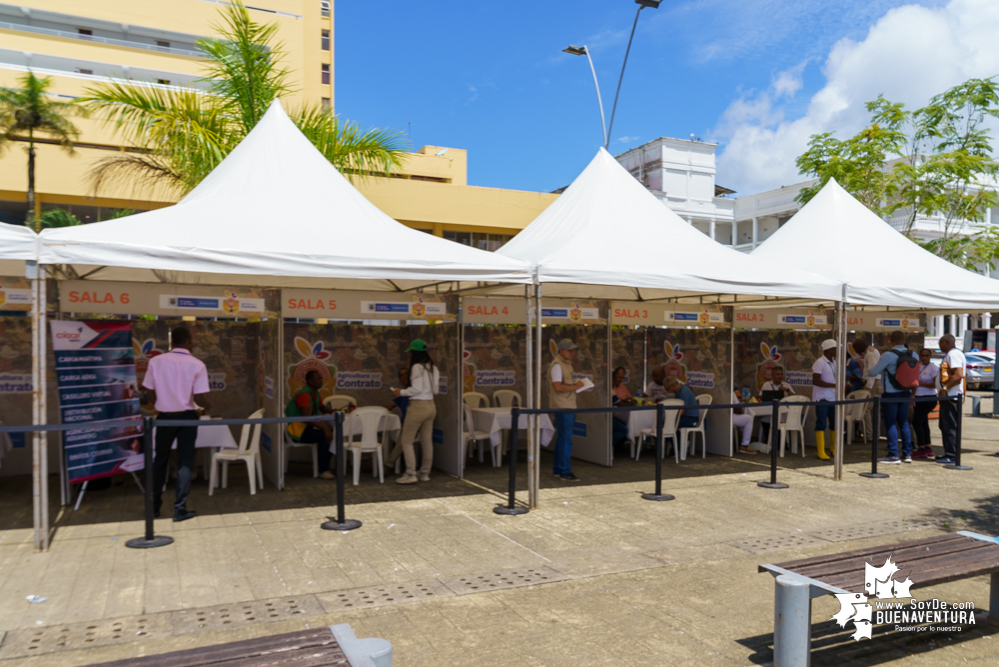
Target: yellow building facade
82,43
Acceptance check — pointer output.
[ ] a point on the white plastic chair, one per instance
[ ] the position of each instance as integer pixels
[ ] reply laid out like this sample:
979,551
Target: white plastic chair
505,398
689,435
289,443
792,421
855,413
370,419
248,453
474,399
340,401
470,435
670,421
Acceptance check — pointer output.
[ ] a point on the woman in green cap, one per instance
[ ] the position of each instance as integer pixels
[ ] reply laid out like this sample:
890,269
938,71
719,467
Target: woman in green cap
424,383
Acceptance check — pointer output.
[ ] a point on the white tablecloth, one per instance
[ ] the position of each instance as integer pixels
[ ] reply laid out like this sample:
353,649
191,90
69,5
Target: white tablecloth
216,436
638,420
389,428
495,420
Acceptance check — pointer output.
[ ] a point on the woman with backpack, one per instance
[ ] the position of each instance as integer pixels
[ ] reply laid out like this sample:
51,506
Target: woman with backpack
424,382
928,379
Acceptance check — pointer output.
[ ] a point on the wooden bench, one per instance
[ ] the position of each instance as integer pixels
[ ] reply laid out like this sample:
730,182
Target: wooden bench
927,562
334,646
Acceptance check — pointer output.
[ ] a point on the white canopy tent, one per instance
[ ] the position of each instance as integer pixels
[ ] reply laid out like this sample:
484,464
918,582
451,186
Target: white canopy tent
17,245
275,212
607,237
836,236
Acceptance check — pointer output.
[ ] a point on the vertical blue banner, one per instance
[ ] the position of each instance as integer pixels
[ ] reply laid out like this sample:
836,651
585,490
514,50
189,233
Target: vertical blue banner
95,368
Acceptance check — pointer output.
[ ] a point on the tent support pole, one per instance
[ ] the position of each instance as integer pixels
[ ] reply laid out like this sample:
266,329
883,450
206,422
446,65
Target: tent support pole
40,454
460,395
532,461
280,378
537,390
840,437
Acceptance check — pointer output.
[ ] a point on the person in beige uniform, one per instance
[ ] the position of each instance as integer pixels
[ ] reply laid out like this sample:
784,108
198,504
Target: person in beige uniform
562,395
424,382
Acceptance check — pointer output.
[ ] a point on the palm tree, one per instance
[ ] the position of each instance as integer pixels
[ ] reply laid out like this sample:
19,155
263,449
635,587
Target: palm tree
27,111
184,133
58,217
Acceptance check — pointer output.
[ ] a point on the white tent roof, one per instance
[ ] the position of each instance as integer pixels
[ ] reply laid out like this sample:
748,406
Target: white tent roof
273,213
611,238
17,244
836,236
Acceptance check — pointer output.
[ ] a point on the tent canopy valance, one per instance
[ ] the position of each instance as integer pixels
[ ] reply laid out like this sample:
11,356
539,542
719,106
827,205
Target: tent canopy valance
607,237
17,246
275,212
836,236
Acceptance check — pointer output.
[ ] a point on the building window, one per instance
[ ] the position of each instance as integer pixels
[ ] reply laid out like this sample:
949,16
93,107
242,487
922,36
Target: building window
326,40
325,7
490,242
85,31
163,43
326,74
163,82
326,104
81,70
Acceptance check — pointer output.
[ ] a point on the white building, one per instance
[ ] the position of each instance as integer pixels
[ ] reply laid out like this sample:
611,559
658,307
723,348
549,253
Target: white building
681,173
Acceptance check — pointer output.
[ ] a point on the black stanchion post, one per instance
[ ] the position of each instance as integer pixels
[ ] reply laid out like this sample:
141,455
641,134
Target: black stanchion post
958,405
774,444
660,420
875,428
342,522
511,507
149,540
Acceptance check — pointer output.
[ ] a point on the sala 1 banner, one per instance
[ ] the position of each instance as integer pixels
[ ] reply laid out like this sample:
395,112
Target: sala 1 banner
95,367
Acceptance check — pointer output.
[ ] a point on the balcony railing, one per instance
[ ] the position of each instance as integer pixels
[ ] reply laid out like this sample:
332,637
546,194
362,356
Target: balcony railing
101,40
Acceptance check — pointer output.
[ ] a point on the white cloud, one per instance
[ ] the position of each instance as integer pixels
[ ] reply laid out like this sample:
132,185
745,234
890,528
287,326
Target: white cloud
626,140
909,55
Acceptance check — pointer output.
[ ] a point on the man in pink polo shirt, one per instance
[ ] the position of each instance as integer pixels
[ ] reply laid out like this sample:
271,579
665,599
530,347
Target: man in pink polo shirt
178,383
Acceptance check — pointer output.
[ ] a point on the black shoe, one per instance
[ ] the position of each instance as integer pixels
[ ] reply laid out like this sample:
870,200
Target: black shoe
942,457
945,460
156,514
569,478
184,515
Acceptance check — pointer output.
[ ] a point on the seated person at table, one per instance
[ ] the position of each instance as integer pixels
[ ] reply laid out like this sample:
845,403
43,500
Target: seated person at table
776,383
307,403
744,422
655,390
691,410
621,399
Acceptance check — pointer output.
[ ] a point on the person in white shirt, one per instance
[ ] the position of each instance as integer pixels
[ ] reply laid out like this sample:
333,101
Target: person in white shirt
424,382
775,383
929,379
742,421
868,356
824,389
952,370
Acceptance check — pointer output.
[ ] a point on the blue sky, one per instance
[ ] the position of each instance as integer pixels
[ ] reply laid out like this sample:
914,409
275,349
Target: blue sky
757,76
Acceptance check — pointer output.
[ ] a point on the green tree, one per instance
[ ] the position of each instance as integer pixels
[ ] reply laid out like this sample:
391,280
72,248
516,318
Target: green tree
935,162
183,134
58,217
28,111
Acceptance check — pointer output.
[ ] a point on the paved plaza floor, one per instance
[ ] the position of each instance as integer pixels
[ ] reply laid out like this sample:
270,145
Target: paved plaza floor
595,576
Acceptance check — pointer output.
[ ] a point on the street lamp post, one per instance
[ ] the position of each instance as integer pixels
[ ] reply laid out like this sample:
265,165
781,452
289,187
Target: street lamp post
579,51
582,50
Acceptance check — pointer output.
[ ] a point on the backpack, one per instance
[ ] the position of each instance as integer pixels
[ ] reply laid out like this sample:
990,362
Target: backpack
906,375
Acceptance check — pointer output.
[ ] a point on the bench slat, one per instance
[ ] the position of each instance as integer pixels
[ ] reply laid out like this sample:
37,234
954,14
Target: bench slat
305,648
869,551
932,571
908,555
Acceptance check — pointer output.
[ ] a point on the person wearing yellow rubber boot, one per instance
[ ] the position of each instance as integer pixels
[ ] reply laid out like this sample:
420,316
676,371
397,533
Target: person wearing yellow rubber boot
824,389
